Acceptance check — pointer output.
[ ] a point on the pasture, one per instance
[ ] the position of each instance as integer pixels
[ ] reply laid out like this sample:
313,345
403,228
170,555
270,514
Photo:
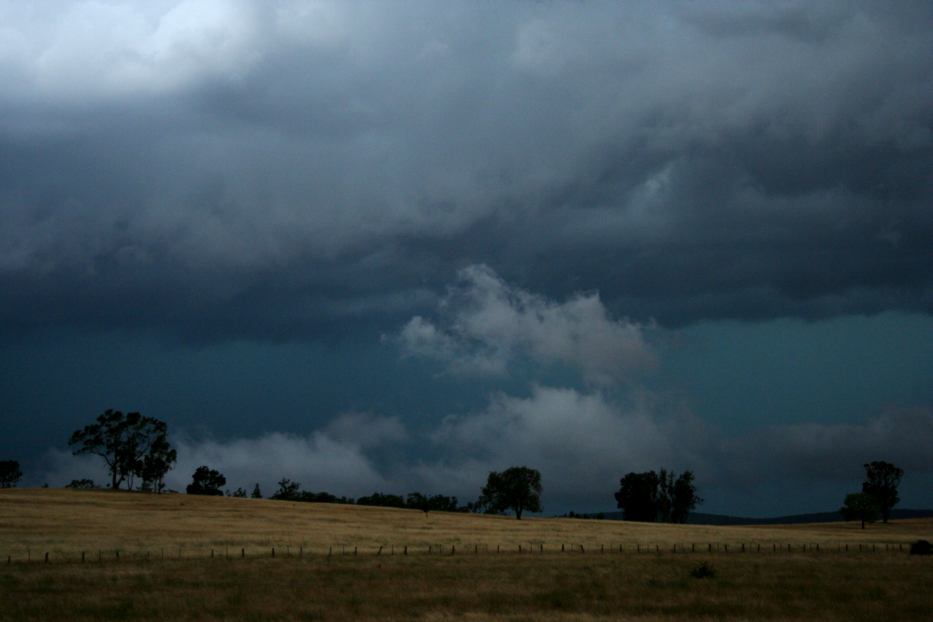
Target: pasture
175,557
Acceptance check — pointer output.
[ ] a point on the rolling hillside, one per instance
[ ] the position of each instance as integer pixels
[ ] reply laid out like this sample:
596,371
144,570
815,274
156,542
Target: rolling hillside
65,522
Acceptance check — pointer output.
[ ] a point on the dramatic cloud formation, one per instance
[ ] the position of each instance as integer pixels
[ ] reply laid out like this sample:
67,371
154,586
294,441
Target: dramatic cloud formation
207,162
582,443
211,208
487,324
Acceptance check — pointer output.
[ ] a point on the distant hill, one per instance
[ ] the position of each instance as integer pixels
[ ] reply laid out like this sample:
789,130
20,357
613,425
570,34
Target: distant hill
700,518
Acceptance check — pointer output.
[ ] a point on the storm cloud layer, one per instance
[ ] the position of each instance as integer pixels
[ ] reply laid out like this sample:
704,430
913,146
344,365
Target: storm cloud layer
223,169
394,245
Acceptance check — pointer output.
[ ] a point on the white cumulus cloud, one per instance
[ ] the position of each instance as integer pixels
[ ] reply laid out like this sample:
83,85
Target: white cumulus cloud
485,324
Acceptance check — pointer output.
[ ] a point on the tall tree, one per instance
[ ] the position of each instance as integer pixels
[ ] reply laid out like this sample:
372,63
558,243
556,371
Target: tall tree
638,496
288,490
685,497
657,497
860,506
516,488
131,445
158,458
881,482
206,481
665,496
10,473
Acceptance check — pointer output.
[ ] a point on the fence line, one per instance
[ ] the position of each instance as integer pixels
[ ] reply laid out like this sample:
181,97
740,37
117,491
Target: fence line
523,549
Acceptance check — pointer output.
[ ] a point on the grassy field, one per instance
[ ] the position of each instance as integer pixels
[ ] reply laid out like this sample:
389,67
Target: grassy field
189,585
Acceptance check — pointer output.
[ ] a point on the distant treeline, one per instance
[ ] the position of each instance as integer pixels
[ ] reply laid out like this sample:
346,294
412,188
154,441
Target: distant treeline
291,491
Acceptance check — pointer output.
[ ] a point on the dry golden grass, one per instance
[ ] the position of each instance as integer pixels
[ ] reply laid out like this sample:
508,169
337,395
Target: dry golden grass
66,522
565,587
577,587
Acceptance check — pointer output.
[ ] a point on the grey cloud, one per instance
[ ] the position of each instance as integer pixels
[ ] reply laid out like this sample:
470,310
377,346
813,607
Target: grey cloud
318,462
581,441
206,162
486,324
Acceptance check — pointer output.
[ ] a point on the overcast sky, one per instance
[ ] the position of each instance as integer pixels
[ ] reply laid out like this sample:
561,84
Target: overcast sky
394,245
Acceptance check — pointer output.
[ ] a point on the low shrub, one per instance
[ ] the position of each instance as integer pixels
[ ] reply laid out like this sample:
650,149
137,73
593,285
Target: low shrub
703,571
921,547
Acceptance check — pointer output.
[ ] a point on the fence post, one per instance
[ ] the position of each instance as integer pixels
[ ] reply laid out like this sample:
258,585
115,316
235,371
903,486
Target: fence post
242,553
561,548
540,548
118,555
82,557
46,557
743,547
405,552
710,547
519,548
273,552
497,548
354,550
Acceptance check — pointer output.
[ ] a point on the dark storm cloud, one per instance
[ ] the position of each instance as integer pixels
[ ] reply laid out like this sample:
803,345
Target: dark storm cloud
233,168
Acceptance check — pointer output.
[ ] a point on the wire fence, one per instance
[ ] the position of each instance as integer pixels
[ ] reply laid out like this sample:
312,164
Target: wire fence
101,556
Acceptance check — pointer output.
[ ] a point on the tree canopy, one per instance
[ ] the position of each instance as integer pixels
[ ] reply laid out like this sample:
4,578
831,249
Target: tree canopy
10,473
516,488
881,482
657,497
206,481
132,446
860,506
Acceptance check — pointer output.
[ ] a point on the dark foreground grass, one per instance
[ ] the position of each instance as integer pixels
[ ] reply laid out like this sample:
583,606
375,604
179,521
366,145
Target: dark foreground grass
486,587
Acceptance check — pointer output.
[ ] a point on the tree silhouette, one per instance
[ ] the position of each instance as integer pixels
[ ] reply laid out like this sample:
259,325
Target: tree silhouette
10,473
657,497
516,488
206,481
860,506
638,496
881,482
288,490
685,498
131,445
256,494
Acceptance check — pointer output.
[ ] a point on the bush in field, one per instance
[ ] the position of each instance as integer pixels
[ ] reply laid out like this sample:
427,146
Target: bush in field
81,484
921,547
206,481
703,571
